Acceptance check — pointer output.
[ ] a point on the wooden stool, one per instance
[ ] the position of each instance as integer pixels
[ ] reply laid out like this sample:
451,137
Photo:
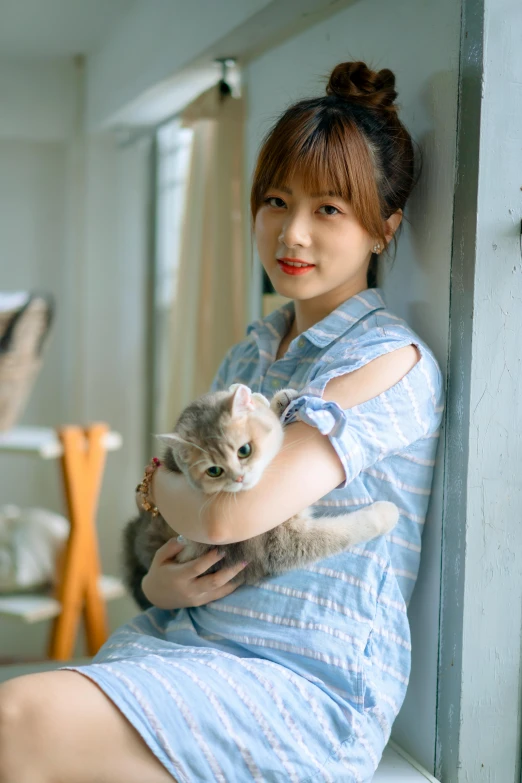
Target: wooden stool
81,589
82,463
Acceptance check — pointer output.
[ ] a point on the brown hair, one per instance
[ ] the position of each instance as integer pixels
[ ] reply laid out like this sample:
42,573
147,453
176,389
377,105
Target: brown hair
350,141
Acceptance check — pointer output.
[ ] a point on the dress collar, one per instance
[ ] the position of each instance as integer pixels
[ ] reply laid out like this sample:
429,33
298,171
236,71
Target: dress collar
338,322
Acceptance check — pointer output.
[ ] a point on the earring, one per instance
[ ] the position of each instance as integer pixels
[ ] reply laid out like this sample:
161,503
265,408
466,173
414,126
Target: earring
377,248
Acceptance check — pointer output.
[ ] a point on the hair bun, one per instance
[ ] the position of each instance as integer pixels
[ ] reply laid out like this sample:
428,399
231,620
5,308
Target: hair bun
355,82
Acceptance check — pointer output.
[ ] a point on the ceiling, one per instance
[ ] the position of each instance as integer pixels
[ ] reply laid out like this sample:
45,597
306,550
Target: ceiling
57,28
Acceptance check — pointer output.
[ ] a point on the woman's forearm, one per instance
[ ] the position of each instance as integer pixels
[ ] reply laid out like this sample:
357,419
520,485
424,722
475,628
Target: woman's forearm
184,508
286,487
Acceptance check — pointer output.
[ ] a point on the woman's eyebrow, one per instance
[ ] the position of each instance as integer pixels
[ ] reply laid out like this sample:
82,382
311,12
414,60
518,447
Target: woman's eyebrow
312,195
330,193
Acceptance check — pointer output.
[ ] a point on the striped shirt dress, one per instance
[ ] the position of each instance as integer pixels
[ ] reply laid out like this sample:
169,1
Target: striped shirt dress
299,677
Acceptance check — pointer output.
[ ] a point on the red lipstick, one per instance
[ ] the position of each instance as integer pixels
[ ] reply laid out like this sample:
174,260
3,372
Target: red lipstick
290,269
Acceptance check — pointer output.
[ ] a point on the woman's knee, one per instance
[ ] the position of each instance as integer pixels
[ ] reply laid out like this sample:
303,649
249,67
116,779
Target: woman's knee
21,716
45,737
15,706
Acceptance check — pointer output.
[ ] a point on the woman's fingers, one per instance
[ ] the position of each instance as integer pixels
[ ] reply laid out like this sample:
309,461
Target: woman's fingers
222,591
201,564
217,580
170,549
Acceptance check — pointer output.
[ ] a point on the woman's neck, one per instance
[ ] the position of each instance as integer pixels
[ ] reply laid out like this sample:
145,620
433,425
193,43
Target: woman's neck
309,312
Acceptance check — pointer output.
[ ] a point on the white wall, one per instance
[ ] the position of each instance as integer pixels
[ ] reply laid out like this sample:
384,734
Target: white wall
153,41
38,109
38,99
480,709
114,337
394,35
72,213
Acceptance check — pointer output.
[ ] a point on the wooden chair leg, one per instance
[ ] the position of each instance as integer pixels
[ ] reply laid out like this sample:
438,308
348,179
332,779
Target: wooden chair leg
82,464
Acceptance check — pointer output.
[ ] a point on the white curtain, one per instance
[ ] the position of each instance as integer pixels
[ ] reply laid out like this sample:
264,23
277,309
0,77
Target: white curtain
208,310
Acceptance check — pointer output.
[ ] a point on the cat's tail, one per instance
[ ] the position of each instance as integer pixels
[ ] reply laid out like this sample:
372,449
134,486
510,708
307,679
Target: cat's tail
304,539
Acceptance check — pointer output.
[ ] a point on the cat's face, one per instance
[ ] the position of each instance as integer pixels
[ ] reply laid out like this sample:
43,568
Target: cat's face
224,441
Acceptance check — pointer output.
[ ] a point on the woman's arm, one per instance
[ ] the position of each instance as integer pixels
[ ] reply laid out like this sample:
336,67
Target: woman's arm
289,484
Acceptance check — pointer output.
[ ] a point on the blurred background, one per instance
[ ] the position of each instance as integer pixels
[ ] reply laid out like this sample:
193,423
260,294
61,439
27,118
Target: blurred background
128,134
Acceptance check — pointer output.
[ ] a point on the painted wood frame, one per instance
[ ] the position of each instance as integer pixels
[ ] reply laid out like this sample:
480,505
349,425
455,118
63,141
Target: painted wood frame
479,684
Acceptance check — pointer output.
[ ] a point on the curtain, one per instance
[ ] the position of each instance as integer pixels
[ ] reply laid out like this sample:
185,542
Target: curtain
208,307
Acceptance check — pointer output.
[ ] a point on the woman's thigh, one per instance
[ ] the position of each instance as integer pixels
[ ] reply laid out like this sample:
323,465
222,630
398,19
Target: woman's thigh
60,727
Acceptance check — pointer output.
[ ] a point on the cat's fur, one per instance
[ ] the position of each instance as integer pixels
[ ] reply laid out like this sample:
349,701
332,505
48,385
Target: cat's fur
208,434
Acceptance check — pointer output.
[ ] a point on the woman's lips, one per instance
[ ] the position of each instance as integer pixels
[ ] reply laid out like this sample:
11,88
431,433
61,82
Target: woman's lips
289,269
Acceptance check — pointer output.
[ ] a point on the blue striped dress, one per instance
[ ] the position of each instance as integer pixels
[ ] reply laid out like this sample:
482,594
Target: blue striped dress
300,677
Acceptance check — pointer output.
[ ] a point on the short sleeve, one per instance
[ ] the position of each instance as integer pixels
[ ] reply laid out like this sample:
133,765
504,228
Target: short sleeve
385,425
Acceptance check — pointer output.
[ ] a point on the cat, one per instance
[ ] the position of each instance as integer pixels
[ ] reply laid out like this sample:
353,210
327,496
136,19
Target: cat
223,442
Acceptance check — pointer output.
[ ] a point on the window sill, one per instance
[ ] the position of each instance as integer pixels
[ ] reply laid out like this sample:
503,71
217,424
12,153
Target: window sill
398,767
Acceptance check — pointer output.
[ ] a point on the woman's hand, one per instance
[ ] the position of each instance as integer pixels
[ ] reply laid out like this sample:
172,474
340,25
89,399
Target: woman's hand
171,585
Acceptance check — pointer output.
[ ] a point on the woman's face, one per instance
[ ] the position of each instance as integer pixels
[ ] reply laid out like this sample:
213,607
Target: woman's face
321,231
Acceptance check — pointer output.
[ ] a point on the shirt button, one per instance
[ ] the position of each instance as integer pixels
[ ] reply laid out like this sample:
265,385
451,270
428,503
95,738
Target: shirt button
275,382
302,342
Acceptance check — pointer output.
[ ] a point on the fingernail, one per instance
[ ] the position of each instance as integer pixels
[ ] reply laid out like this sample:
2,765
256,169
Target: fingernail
221,552
244,563
180,539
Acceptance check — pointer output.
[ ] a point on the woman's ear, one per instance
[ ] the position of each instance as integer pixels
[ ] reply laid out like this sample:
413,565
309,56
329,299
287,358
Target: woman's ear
391,225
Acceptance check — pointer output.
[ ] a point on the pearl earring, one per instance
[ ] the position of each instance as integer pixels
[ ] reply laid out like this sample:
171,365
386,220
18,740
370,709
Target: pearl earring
376,248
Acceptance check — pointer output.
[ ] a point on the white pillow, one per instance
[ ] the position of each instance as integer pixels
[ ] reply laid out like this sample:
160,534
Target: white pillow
31,540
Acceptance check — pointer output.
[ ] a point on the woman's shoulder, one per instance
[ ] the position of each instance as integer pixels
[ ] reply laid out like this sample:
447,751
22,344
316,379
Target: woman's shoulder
381,332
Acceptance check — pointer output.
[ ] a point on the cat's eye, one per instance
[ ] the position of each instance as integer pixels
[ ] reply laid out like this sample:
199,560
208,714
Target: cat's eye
245,451
215,471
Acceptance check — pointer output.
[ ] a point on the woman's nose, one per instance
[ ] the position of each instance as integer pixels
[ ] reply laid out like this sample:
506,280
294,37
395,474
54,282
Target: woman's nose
295,231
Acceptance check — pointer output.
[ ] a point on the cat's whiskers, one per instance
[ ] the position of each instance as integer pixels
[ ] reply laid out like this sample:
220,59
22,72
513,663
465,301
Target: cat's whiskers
227,505
294,443
207,503
195,445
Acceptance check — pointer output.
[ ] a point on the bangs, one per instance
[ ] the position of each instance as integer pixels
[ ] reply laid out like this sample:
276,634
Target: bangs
332,157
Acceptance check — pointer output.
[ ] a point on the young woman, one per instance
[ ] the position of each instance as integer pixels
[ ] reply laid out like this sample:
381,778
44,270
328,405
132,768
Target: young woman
300,677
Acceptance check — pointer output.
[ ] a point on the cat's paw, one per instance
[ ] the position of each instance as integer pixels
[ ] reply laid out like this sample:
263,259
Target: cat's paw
282,399
386,515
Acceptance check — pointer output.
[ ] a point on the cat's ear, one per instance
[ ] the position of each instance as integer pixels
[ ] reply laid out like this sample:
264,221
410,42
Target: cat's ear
170,439
261,398
241,400
176,443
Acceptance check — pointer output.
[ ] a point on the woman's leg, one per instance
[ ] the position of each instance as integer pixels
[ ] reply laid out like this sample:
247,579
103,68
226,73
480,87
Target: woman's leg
59,727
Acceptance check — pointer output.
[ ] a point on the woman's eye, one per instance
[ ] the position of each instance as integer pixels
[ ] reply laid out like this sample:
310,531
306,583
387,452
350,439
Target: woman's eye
214,471
244,451
330,206
274,198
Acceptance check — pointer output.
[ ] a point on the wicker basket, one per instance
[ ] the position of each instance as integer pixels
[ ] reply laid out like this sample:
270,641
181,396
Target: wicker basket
23,330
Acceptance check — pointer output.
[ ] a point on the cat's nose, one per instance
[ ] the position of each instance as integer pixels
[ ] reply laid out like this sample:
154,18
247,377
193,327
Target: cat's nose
240,478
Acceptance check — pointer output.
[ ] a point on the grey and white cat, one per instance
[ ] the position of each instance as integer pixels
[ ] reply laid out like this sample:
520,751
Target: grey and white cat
223,442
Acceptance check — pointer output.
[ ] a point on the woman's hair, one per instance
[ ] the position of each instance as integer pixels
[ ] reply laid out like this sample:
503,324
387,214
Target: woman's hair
351,142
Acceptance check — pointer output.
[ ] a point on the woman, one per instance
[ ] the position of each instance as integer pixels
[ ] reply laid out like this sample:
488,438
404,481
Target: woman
301,676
